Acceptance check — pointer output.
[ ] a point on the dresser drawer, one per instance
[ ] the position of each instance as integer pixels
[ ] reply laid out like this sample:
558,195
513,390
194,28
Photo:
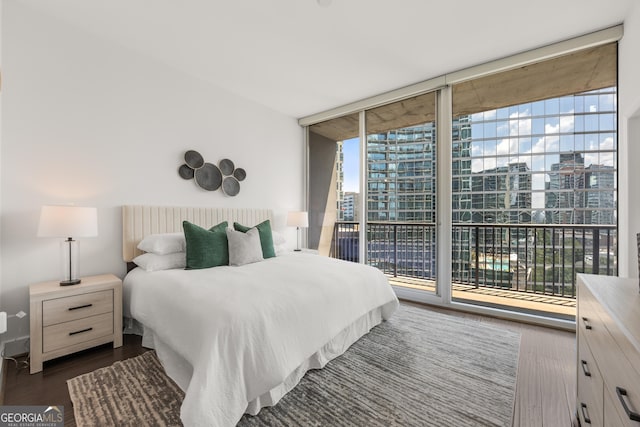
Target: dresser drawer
589,387
618,360
614,415
66,334
75,307
615,368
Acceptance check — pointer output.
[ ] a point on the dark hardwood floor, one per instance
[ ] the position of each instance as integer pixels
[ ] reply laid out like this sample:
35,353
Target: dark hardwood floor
49,387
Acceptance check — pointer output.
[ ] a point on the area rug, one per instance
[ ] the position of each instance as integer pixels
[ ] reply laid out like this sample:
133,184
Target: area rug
420,368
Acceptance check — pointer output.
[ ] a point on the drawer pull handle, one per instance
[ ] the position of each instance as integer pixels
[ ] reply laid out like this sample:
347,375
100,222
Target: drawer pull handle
585,414
80,306
79,332
585,368
633,416
586,323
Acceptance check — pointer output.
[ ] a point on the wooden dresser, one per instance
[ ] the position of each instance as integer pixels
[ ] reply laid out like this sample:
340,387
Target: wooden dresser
608,333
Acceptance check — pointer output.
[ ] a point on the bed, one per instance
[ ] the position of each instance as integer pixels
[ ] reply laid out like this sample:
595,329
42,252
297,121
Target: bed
237,339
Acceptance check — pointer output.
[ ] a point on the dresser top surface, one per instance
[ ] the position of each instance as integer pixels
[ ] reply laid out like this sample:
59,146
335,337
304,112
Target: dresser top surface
620,297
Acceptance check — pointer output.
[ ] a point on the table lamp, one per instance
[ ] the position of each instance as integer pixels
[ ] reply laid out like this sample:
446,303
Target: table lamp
69,222
298,219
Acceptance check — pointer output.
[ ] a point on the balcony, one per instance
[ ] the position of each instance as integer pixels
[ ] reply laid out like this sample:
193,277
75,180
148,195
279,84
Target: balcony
526,267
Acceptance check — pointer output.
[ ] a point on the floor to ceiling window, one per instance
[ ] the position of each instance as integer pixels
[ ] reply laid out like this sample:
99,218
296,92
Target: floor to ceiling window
401,189
534,182
526,162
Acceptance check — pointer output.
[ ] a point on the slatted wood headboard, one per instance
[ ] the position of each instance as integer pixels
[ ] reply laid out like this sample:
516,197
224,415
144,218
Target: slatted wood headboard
140,221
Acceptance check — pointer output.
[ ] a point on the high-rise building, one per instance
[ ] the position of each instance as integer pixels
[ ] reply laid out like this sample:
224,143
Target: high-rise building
502,195
401,174
350,206
600,183
580,195
565,196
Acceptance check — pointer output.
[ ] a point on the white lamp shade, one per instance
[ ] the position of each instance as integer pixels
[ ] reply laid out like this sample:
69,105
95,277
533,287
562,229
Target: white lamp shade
298,219
68,221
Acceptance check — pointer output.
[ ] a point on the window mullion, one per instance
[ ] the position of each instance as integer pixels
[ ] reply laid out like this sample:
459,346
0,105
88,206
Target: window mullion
443,194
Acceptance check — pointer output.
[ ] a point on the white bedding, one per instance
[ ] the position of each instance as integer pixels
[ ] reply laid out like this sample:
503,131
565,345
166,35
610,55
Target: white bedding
246,331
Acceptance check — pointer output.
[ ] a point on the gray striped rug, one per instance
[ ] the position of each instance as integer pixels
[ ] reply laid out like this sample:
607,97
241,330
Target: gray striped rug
421,368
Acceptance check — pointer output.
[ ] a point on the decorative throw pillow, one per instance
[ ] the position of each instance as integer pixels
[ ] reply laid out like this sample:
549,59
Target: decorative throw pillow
155,262
162,244
244,248
279,243
266,238
206,248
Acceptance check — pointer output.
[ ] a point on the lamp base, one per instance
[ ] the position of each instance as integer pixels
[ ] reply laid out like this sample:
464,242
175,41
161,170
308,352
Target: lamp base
70,282
297,250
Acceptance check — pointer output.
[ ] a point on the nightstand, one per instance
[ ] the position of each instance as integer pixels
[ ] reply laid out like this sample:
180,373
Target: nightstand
66,319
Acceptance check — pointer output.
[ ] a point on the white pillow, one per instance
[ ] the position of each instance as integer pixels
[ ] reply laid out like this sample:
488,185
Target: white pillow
278,238
244,248
155,262
162,244
279,243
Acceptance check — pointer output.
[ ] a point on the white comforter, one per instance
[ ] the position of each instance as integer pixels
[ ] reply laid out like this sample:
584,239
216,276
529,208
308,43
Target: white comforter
244,330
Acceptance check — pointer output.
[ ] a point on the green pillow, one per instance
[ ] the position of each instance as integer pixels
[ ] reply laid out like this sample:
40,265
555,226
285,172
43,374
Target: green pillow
266,238
206,248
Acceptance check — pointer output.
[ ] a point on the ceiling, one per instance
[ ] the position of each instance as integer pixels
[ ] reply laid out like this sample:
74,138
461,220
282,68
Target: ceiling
300,58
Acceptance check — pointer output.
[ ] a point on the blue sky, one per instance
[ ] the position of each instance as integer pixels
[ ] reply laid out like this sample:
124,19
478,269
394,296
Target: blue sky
350,164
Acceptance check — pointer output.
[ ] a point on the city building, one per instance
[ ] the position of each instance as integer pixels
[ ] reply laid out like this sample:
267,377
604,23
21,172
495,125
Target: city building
401,174
349,206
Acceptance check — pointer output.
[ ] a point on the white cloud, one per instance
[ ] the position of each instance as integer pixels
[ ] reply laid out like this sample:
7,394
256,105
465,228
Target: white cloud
507,146
567,123
607,144
546,143
519,125
606,159
490,115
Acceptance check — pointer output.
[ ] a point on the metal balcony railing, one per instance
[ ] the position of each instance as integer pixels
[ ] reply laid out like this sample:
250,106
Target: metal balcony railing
536,258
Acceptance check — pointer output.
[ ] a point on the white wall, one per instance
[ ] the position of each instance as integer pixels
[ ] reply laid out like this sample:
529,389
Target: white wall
94,123
629,146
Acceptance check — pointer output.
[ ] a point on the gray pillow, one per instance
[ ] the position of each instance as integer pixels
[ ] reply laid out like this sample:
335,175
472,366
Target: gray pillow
244,248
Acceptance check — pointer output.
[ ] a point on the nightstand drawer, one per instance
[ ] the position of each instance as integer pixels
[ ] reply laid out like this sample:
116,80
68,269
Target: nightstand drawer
75,307
69,333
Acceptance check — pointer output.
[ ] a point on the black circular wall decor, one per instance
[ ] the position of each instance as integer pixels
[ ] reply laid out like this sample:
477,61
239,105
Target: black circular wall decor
208,177
193,159
230,186
185,172
240,174
211,177
226,167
